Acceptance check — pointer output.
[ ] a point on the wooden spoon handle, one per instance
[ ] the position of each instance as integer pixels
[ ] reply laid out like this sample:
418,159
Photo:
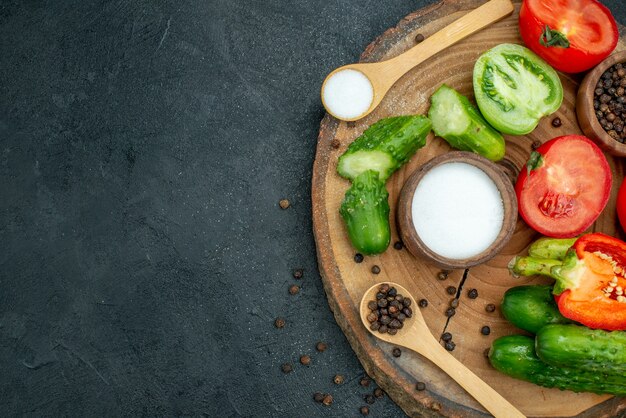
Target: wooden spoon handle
488,13
474,385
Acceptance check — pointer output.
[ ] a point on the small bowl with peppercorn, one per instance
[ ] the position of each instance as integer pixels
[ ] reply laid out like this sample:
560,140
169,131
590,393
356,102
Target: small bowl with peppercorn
457,210
601,104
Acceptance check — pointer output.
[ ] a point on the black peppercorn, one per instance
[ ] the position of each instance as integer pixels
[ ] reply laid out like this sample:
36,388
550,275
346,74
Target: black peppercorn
398,245
358,258
536,144
396,352
375,269
490,307
318,397
454,303
279,323
298,273
419,38
556,122
472,294
485,330
423,303
450,346
420,386
450,312
379,393
451,290
365,381
369,399
446,336
442,275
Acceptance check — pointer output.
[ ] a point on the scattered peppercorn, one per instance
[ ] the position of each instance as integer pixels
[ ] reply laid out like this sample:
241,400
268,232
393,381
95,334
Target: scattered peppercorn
279,323
321,346
490,307
442,275
298,273
451,290
318,397
450,312
375,269
358,258
338,379
379,393
365,381
609,102
369,399
294,289
388,311
284,204
419,38
396,352
420,386
335,143
454,303
450,346
398,245
485,330
556,122
286,368
446,336
536,144
328,400
472,294
305,360
423,303
364,410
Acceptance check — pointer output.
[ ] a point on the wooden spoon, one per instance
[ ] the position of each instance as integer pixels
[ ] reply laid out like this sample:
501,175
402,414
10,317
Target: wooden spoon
382,75
416,336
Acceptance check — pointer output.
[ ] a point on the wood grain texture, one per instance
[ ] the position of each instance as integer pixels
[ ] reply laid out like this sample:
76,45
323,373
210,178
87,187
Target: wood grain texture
345,281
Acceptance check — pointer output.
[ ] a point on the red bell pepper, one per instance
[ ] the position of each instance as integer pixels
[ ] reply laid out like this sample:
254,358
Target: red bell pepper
590,285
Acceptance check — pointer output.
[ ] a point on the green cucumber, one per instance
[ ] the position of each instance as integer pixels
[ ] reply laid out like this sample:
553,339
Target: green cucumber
531,308
365,210
385,146
457,121
514,355
583,348
554,248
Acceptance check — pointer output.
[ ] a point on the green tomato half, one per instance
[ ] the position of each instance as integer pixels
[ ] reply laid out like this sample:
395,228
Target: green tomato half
514,88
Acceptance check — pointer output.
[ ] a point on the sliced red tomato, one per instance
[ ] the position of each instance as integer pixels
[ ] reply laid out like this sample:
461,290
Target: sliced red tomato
571,35
588,282
564,186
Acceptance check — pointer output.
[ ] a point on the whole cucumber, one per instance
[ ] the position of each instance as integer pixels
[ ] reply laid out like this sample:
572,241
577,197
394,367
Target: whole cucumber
580,347
385,146
531,308
365,210
514,355
457,121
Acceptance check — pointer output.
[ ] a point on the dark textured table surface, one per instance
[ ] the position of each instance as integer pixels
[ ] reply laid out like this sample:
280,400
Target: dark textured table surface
144,147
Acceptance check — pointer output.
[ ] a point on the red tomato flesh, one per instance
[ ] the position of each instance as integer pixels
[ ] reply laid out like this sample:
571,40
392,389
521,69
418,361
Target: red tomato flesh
588,26
565,194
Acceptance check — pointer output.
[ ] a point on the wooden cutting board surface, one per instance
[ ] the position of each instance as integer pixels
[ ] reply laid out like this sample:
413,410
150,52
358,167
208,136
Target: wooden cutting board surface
345,280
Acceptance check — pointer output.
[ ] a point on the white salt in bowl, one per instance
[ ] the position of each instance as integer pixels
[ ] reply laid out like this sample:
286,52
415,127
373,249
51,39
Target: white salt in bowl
457,210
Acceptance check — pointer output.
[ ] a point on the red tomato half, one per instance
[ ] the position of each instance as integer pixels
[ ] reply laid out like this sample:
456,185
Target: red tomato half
564,187
586,26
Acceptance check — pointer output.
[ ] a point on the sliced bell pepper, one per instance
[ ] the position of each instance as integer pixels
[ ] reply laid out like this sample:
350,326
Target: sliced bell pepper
590,285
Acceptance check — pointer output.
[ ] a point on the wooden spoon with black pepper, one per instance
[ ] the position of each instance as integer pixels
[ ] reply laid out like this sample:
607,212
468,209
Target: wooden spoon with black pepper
416,336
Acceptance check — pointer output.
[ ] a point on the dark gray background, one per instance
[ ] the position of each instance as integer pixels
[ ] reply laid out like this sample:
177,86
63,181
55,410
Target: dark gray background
144,146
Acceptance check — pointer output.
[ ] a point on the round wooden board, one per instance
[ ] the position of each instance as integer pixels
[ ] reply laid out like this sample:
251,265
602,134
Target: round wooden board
345,281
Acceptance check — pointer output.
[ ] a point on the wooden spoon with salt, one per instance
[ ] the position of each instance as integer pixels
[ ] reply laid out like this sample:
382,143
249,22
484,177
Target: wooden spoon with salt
382,75
416,336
